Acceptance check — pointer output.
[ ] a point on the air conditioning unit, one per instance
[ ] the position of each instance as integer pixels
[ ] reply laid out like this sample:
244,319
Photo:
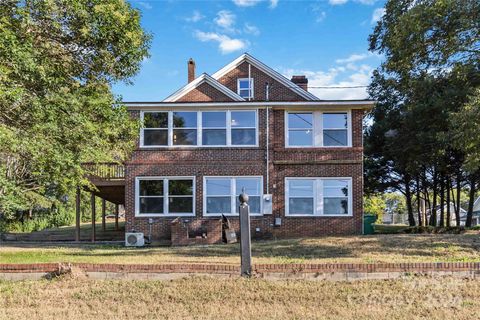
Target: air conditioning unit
134,239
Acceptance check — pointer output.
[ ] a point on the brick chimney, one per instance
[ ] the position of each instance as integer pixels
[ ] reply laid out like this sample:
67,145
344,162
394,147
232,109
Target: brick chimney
301,81
191,70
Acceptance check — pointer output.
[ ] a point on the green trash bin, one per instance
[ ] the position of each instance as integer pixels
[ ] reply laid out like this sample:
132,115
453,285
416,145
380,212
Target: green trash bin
368,221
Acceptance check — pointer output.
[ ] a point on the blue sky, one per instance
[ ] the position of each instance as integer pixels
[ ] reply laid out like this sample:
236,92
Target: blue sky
325,40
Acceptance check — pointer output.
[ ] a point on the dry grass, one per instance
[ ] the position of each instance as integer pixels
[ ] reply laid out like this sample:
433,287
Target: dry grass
206,298
352,249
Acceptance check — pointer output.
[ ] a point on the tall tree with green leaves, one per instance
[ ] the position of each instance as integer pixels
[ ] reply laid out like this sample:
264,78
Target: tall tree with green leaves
432,54
58,60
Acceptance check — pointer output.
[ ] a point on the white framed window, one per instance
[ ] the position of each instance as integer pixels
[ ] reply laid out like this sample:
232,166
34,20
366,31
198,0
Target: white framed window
309,197
164,196
318,129
207,128
245,87
220,194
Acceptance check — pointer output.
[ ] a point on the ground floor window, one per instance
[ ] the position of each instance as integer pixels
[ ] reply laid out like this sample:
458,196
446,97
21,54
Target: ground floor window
318,196
157,196
220,194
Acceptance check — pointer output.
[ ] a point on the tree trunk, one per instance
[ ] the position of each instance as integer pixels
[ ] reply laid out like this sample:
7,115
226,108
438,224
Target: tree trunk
442,200
471,201
449,216
433,210
459,192
408,196
419,209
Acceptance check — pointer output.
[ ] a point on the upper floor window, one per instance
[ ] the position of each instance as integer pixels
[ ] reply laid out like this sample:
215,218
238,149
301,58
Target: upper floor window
318,196
245,87
199,128
164,195
318,129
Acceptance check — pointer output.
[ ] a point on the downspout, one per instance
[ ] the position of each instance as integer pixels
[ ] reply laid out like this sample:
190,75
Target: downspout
267,131
249,82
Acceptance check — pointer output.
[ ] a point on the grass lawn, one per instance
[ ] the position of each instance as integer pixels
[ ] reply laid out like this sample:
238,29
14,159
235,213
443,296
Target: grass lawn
208,298
348,249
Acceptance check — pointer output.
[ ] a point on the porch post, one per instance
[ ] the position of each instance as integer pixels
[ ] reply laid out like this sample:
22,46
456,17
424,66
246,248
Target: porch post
103,214
116,216
77,215
93,216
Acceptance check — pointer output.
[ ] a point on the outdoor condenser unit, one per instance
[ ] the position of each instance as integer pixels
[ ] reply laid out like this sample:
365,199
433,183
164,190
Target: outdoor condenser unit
134,239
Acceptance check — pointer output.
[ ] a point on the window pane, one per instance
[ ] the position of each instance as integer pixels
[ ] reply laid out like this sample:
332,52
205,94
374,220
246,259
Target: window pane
155,119
219,205
155,137
334,120
244,93
184,137
151,187
300,188
300,120
244,84
253,202
151,205
214,137
252,186
243,137
335,206
218,187
334,137
180,205
243,119
335,188
180,187
300,206
214,119
184,119
300,138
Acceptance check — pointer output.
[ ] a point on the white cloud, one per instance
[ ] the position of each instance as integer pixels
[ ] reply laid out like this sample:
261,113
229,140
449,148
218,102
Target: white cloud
340,82
273,4
225,43
377,15
251,29
321,16
353,58
145,5
225,19
337,2
246,3
195,17
251,3
340,2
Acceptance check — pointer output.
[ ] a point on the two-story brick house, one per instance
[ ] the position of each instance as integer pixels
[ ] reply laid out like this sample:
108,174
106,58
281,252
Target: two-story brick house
247,126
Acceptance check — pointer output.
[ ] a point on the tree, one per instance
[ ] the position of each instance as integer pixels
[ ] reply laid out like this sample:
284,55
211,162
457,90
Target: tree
58,60
432,54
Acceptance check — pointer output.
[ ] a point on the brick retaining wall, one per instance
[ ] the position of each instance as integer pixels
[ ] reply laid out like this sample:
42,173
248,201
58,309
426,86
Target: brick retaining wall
258,268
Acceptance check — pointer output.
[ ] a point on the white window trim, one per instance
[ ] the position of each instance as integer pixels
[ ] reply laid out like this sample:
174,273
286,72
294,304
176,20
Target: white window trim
317,140
199,130
318,197
251,87
165,196
233,198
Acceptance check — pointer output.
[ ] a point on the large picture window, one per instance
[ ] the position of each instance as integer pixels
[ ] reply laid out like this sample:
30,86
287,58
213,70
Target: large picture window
157,196
213,128
318,196
220,195
318,129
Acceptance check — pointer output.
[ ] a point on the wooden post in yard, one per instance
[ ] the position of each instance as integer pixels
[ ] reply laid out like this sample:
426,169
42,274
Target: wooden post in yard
116,216
93,217
77,215
245,241
104,208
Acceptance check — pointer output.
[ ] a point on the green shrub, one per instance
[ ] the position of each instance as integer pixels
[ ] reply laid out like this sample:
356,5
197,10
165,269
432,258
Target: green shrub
431,229
389,228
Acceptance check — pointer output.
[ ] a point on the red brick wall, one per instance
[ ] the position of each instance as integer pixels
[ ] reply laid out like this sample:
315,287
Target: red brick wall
277,92
205,93
200,162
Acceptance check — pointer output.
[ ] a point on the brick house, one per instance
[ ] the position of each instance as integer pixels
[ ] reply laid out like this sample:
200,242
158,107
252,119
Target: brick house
246,126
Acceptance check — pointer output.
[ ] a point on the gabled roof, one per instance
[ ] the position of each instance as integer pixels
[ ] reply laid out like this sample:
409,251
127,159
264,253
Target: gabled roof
204,78
266,69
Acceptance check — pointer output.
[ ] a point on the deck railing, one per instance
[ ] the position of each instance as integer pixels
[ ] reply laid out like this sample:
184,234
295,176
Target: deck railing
105,171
